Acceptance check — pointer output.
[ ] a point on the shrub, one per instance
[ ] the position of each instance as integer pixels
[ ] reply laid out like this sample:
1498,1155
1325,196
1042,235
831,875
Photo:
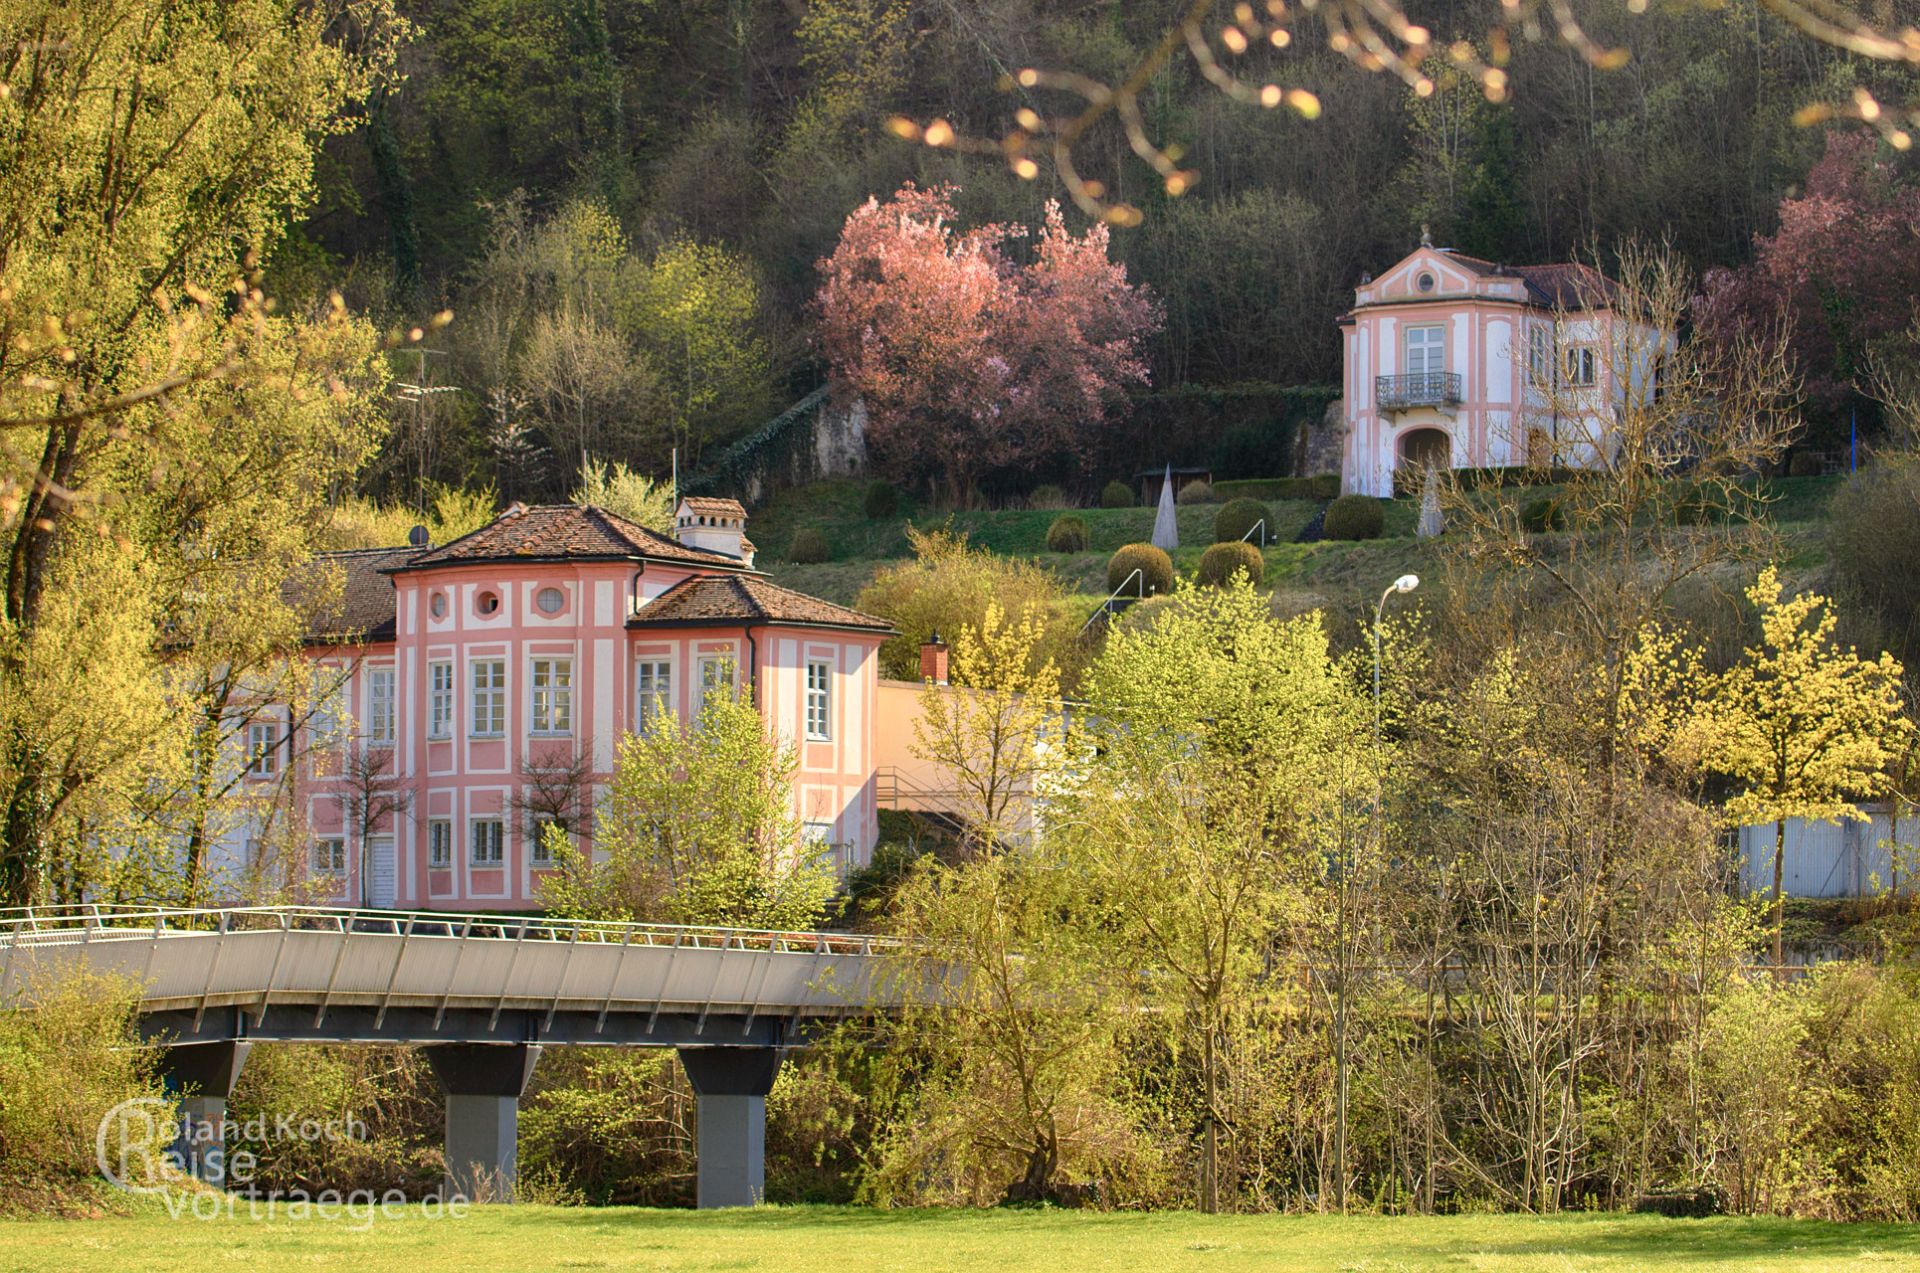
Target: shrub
1354,517
946,588
883,501
1238,516
1067,535
65,1061
808,546
1155,567
1116,495
1541,514
1196,492
1225,560
1049,497
1874,539
623,492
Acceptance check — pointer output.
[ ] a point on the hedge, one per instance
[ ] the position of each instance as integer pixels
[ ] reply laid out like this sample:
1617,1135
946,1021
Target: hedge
1322,488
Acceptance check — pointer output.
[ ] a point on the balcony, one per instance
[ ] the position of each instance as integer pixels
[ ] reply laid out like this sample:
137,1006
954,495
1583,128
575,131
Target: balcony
1423,389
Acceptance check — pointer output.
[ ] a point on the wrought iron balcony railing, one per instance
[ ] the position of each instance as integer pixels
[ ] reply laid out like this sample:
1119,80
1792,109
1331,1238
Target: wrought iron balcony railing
1423,389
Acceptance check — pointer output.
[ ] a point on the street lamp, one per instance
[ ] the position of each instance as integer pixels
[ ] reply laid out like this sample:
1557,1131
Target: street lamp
1405,583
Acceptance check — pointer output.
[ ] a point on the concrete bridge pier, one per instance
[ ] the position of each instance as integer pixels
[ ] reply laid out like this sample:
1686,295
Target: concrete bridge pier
205,1073
483,1083
731,1084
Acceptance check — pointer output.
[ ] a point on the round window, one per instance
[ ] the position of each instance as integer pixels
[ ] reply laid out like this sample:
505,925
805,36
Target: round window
550,600
1424,282
437,605
489,602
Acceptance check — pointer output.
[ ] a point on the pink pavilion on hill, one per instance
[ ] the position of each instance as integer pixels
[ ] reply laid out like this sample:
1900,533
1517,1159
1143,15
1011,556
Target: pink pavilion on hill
482,687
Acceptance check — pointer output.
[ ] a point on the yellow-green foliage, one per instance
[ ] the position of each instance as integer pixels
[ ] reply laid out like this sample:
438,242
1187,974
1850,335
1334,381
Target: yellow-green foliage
1155,567
360,523
634,496
697,827
69,1052
947,587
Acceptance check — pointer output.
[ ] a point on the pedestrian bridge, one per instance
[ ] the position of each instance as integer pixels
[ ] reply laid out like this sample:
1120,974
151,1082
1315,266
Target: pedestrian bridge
481,993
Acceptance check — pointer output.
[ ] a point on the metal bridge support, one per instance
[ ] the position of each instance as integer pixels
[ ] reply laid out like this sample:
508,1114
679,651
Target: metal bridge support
731,1084
207,1071
483,1083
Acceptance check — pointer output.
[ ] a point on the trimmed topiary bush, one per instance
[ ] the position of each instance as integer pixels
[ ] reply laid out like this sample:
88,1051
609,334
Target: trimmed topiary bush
808,547
1223,561
1196,492
1116,495
1540,515
1155,567
1238,516
1048,497
883,501
1067,535
1354,517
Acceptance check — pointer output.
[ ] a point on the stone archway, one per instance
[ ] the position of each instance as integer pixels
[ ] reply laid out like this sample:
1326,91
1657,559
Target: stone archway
1426,448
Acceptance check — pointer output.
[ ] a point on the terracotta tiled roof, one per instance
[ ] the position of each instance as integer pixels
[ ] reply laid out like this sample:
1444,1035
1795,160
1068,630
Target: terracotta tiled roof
364,610
713,507
730,599
1565,285
552,532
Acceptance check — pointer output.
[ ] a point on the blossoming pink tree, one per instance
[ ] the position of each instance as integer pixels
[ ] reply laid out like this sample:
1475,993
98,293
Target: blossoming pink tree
971,362
1843,272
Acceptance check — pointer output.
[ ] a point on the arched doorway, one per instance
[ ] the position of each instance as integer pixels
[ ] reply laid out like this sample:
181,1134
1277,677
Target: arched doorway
1426,449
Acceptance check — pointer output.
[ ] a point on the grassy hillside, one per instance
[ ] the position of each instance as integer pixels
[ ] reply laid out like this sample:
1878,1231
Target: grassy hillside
1301,574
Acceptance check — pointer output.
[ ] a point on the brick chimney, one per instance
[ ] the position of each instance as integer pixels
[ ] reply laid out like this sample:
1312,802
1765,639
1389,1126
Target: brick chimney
933,660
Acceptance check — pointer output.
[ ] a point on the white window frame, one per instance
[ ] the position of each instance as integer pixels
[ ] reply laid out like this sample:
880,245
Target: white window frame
487,850
330,855
488,696
440,683
550,695
382,705
1432,347
711,677
439,843
653,690
1583,367
1540,356
537,839
263,749
819,700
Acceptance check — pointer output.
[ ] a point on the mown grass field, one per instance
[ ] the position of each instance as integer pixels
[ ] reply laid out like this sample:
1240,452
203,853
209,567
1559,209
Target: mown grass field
832,1240
1313,572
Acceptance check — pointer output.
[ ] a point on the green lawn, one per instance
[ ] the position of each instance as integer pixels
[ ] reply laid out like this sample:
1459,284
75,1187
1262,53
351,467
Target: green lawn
829,1240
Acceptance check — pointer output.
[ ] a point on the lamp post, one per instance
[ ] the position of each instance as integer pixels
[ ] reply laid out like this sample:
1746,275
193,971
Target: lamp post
1405,583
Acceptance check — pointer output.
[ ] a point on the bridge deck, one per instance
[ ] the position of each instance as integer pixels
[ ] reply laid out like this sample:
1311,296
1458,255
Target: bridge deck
261,958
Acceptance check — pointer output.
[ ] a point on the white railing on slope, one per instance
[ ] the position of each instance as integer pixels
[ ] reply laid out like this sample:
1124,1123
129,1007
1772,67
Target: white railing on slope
1115,595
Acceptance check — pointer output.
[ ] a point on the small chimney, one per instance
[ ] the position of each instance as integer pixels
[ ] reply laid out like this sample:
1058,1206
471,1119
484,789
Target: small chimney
933,660
716,525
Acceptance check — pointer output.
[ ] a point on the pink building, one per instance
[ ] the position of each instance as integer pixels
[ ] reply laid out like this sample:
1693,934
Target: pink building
1455,362
484,684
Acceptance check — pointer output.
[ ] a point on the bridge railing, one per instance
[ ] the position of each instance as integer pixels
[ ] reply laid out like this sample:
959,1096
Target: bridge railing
87,922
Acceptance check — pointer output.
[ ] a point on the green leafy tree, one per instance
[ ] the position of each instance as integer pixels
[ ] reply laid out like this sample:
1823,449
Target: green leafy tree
696,827
634,496
1224,748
